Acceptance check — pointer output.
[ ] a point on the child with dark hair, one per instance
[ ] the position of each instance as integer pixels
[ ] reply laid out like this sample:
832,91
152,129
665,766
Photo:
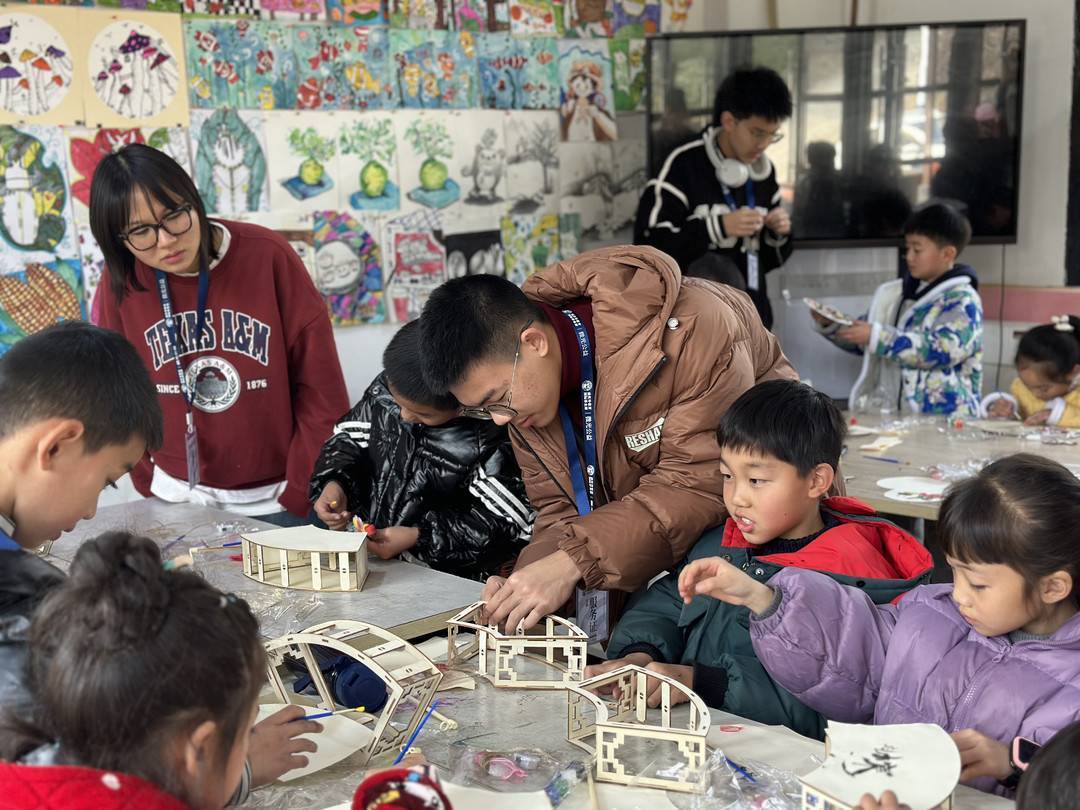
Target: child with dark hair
922,339
991,657
718,194
122,726
237,339
77,412
440,489
780,446
1045,391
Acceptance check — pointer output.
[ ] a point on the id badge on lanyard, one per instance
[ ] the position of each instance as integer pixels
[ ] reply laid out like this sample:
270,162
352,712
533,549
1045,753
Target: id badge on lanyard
191,438
753,277
591,605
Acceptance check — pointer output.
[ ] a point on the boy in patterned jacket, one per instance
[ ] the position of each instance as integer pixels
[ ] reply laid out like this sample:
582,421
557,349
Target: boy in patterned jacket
922,339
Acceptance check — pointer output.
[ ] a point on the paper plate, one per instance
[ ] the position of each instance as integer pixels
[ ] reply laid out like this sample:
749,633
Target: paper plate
825,311
914,496
340,738
913,483
860,430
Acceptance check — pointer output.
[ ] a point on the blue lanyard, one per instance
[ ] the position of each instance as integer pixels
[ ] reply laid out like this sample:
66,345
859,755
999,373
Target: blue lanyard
729,198
584,484
7,542
170,325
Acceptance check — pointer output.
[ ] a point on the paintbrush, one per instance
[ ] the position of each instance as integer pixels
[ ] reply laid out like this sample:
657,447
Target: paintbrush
416,733
594,801
331,714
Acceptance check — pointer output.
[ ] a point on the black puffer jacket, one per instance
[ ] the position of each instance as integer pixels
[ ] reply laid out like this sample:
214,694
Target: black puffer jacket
25,578
457,483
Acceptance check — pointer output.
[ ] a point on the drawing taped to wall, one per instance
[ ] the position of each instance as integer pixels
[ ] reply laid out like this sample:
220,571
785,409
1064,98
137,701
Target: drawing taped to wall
87,147
517,73
348,269
474,254
434,69
588,188
530,243
532,161
36,70
420,14
367,163
586,95
366,81
37,296
587,18
223,8
301,153
630,176
240,63
356,12
136,73
93,264
534,18
470,15
628,74
682,15
166,6
293,9
422,257
479,156
634,19
229,152
425,168
35,219
498,15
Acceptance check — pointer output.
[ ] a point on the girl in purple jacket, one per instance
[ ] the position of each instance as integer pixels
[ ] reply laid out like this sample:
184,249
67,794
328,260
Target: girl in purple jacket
991,657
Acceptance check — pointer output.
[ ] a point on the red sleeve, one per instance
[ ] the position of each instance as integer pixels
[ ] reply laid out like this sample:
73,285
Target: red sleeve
105,312
318,386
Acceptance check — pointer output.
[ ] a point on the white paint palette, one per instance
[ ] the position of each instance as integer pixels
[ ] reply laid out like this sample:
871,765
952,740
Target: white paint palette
828,312
341,737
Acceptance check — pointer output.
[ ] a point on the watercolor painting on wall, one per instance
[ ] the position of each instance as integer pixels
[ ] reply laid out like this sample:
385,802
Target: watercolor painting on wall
348,269
428,175
245,64
530,243
586,98
587,18
628,74
229,153
434,69
517,73
634,19
420,14
356,12
367,163
301,150
36,68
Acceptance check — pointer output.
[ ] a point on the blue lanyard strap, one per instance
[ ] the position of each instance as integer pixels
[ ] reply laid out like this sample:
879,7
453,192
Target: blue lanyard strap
7,542
170,325
584,483
729,198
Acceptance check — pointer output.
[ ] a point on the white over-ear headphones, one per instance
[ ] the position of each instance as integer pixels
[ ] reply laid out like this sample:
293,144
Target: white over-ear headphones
734,173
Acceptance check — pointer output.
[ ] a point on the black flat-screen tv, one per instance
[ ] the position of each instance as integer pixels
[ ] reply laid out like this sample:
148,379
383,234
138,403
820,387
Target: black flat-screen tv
885,118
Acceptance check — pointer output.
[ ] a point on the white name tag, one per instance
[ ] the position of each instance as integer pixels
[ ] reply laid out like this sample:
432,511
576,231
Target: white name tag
592,614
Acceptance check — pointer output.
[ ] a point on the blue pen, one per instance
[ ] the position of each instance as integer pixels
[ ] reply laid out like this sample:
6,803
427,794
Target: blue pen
233,543
739,769
412,738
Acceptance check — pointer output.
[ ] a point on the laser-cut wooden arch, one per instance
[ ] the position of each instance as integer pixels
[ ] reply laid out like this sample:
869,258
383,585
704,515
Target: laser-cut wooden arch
626,718
556,642
307,558
408,674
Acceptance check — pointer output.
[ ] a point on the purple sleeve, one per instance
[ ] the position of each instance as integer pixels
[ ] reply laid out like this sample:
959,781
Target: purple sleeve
825,644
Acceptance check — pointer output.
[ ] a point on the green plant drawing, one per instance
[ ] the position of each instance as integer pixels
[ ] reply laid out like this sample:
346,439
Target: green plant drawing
315,149
432,139
372,142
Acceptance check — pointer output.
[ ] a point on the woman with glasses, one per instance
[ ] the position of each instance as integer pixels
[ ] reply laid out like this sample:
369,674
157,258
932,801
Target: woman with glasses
234,333
716,201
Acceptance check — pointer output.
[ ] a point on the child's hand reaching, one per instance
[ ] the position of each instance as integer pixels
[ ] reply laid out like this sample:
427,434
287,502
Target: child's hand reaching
1038,418
981,755
332,507
276,746
722,580
682,674
389,543
857,334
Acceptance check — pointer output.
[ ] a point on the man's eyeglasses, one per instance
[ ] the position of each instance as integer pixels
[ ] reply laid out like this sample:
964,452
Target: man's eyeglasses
499,409
764,136
174,223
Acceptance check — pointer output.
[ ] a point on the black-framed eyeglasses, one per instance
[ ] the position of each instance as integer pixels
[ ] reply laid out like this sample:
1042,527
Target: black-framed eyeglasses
486,412
174,223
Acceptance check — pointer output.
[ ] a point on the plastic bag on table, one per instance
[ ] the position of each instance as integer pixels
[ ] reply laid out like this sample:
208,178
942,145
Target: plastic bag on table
743,785
512,770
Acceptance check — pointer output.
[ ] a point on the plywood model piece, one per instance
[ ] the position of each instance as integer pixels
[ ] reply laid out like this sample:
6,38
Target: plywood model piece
556,642
307,558
624,722
409,676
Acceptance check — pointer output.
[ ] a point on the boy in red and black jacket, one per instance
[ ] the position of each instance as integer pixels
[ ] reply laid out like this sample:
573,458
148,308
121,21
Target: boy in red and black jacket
780,446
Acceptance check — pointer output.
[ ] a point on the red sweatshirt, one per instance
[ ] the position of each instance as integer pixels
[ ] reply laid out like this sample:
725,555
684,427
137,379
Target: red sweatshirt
61,787
267,383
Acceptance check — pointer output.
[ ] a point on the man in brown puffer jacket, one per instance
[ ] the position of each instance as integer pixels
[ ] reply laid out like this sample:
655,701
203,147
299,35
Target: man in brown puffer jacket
670,354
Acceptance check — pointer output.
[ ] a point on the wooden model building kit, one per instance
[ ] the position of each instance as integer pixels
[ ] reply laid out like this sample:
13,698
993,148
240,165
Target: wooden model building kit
556,642
614,724
409,676
306,558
